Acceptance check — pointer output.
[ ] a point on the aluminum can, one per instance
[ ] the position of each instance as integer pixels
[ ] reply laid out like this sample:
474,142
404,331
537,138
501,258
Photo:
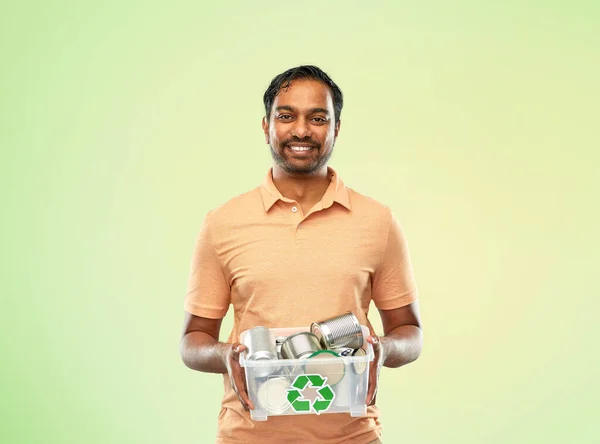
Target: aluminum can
279,340
334,369
360,367
300,345
344,351
338,332
261,347
272,395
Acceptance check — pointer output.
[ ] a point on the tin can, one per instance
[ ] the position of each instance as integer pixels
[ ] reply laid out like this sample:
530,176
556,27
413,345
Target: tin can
340,331
261,347
272,395
344,351
279,340
360,367
334,369
300,345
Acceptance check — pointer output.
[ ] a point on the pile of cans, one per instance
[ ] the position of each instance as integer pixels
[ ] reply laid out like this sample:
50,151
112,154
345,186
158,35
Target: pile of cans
318,351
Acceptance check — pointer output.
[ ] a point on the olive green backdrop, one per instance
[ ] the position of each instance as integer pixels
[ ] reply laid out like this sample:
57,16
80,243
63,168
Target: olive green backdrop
123,123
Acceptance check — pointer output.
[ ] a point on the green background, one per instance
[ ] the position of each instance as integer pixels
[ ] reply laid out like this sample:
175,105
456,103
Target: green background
123,123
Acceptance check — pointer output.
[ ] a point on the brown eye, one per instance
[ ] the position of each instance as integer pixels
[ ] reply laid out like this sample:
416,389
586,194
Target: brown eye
284,117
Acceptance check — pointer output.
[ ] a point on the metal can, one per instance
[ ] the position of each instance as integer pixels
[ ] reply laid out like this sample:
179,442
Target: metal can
344,351
340,331
300,345
360,367
261,347
279,340
333,369
272,395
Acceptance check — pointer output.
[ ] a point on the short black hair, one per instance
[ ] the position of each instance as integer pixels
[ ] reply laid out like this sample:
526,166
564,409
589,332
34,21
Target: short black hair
307,72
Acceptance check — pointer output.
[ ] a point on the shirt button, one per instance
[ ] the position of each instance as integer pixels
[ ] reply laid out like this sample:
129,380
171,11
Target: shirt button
300,226
294,209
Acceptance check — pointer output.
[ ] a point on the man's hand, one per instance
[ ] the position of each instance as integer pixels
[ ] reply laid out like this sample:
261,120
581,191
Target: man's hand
374,368
401,344
237,376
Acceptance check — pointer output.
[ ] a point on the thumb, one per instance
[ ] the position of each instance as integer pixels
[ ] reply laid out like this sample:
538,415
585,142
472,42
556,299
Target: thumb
236,349
373,339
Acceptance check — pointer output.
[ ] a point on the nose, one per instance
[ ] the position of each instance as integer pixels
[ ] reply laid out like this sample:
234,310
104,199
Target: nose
301,128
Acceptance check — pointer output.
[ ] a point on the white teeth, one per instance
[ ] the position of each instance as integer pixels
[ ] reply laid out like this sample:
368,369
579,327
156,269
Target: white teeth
300,148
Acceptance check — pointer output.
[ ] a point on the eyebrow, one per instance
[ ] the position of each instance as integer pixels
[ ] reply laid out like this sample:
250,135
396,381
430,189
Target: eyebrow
292,109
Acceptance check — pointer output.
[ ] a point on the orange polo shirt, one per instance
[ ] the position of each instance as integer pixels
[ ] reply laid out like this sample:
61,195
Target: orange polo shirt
281,268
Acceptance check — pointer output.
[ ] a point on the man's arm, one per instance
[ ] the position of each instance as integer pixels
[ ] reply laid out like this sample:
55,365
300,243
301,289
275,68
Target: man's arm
201,350
401,343
403,338
200,347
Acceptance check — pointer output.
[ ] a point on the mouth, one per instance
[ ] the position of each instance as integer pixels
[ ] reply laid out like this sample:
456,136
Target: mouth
300,148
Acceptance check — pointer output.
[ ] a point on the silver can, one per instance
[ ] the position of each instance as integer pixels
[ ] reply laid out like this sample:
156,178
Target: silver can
279,340
345,351
272,395
261,347
340,331
300,345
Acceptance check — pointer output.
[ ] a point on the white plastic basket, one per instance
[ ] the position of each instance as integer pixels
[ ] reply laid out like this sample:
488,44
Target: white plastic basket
291,390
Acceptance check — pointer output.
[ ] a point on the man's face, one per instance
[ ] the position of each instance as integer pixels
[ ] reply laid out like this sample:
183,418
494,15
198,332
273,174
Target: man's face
301,130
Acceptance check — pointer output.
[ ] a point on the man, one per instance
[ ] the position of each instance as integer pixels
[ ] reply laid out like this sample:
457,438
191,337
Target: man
299,248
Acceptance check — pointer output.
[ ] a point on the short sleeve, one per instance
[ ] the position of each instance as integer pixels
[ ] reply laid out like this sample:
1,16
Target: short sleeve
393,284
208,292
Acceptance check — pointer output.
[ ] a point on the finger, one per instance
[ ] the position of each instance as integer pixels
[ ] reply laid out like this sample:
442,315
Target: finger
369,395
245,389
242,402
236,375
374,340
242,392
238,387
236,350
239,377
372,391
372,384
374,400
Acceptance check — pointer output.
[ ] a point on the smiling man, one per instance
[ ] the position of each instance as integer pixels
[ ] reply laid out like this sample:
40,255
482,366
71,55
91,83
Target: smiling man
301,247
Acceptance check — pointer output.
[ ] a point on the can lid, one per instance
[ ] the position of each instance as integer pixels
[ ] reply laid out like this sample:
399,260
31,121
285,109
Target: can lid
359,367
323,334
272,395
334,371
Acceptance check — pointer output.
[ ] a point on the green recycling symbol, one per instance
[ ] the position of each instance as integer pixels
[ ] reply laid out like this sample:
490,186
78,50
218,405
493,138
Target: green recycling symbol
320,404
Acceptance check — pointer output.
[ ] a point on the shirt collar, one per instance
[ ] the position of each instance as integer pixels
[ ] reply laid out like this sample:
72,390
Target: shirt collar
336,192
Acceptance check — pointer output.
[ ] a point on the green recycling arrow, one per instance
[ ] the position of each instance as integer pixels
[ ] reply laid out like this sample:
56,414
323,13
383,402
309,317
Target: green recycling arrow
293,395
319,405
316,380
301,382
322,405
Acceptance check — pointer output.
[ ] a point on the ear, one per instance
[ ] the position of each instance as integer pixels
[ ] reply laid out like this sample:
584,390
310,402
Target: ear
265,127
337,129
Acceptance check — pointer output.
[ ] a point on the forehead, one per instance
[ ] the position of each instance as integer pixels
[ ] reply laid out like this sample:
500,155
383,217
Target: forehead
305,94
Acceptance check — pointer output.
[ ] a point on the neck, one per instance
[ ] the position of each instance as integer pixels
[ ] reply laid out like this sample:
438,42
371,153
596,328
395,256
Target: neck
301,188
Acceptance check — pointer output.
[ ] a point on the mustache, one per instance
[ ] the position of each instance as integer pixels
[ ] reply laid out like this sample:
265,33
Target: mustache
306,140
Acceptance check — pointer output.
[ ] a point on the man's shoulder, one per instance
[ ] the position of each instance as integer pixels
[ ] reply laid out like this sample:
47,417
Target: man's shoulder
237,207
367,206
